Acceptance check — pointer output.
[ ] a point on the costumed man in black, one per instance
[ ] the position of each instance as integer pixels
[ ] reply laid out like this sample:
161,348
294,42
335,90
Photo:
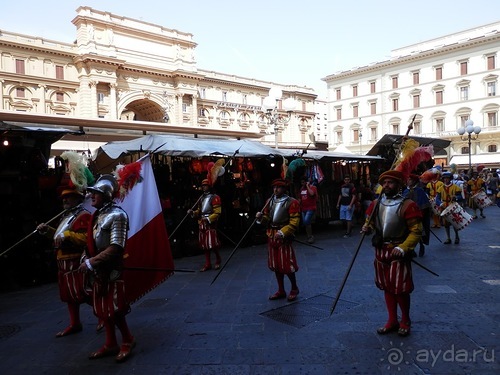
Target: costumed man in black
104,260
398,228
416,193
208,213
282,216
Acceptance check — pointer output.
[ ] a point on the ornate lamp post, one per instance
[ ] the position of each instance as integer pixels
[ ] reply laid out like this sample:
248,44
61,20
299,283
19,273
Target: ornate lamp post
270,109
472,134
360,136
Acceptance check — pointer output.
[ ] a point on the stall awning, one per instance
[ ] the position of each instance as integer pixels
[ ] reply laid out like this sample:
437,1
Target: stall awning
184,146
491,158
389,142
34,130
333,155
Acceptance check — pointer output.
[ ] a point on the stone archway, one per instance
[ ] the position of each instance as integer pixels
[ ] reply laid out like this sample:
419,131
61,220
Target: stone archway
143,110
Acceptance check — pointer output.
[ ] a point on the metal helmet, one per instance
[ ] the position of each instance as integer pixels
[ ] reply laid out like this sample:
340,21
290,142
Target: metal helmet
447,175
107,185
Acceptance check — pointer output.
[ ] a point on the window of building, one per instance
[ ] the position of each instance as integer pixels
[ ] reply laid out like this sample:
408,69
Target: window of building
184,108
439,125
203,112
395,128
463,68
355,135
339,113
490,62
20,92
463,119
373,134
464,93
491,88
372,87
395,105
245,98
395,82
355,90
20,66
100,97
465,150
203,93
59,72
373,108
355,112
416,78
224,96
492,118
416,101
60,96
338,94
417,127
439,97
492,148
439,73
339,136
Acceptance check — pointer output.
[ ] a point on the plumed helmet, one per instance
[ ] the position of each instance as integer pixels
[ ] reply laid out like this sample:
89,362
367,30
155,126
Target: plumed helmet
107,185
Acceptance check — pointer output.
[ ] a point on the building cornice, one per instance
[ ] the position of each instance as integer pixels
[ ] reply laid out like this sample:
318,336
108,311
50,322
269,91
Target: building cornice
423,55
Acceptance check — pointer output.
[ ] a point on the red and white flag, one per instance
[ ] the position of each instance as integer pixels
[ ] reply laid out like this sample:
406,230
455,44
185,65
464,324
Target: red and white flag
148,259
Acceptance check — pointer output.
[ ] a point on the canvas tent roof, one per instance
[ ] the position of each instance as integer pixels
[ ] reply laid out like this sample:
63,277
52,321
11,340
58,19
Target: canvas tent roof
331,155
185,146
389,141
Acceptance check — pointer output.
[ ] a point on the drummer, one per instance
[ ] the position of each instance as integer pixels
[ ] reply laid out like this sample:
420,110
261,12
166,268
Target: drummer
446,195
474,186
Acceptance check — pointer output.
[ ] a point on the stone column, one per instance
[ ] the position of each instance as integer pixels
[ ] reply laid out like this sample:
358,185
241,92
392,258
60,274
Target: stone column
194,116
180,117
1,93
43,104
93,99
113,101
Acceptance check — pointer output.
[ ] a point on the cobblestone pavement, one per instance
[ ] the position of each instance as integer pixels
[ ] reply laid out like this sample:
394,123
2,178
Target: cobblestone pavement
188,326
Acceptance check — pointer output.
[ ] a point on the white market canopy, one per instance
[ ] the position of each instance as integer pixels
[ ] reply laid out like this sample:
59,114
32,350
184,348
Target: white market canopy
185,146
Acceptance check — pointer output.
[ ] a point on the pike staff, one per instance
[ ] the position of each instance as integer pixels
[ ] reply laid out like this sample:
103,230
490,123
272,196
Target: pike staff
239,243
32,233
171,235
370,218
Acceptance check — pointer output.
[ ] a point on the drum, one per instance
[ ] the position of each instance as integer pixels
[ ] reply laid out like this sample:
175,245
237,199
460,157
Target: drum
456,216
481,199
434,206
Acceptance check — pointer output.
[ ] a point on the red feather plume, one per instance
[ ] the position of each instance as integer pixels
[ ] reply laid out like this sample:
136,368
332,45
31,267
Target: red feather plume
128,176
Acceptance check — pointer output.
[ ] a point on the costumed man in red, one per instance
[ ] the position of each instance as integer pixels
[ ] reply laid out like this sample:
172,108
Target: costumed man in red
474,186
107,238
398,228
308,201
208,212
446,194
282,216
417,194
432,188
70,238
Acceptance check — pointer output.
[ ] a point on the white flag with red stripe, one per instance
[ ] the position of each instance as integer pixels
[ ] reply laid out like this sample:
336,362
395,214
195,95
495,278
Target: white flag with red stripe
148,259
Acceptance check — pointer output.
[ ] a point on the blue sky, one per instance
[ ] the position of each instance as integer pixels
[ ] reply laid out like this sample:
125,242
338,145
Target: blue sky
285,41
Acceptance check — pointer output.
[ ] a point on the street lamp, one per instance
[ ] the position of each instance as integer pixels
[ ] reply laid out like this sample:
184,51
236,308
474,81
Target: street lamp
360,145
270,109
472,134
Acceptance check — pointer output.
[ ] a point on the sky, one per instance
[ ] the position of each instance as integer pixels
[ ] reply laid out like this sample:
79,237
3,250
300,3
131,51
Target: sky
289,42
